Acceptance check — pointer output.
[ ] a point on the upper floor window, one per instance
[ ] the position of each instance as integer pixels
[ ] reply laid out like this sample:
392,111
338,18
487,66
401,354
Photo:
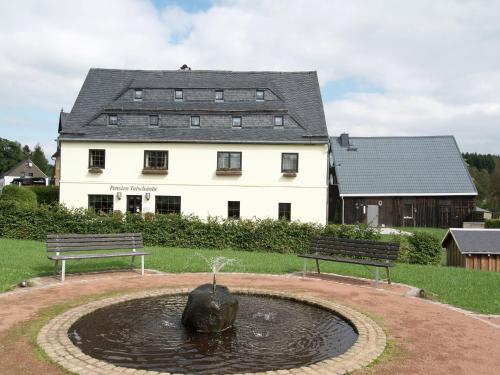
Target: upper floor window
97,159
154,120
138,94
278,121
259,95
285,211
219,95
408,210
228,161
236,122
195,121
113,120
289,162
156,160
179,95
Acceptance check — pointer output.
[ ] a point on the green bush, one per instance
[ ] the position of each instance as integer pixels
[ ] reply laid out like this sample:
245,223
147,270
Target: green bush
172,230
495,223
423,248
46,194
19,195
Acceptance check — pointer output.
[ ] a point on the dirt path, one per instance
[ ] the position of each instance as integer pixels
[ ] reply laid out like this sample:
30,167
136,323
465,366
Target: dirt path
425,338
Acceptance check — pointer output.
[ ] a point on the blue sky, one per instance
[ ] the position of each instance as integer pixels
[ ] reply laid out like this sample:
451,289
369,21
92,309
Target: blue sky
385,68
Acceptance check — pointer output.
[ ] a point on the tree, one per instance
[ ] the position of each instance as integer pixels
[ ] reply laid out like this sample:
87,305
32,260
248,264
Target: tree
27,151
38,157
10,154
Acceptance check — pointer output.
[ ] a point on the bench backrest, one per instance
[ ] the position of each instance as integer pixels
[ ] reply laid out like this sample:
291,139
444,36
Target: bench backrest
58,243
355,248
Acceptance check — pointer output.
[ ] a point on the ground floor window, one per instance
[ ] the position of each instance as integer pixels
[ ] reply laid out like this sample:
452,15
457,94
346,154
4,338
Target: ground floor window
101,203
285,211
408,211
233,209
168,204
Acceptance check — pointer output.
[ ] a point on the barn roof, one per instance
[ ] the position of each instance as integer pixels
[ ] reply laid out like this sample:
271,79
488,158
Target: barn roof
474,241
400,166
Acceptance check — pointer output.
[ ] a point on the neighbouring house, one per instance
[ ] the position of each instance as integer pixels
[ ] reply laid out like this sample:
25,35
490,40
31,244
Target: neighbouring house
220,143
24,173
399,182
57,155
477,249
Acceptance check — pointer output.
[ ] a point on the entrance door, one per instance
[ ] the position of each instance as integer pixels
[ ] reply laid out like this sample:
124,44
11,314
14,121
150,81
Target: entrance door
134,204
372,215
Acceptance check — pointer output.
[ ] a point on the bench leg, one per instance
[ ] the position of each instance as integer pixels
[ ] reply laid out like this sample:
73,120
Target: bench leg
142,265
388,275
63,269
305,267
317,266
56,264
377,276
132,263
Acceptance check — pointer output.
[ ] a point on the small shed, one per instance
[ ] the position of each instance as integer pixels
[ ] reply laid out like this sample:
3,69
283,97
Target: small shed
24,173
477,249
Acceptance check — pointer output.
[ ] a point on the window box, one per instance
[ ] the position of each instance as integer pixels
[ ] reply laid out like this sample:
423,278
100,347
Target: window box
95,170
156,171
289,174
227,172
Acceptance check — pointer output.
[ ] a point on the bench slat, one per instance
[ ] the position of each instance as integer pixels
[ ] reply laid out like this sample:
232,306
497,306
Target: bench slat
96,256
54,245
111,235
97,239
348,260
348,240
356,252
93,248
339,242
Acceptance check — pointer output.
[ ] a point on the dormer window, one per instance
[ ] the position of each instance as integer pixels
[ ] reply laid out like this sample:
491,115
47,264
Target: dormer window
179,95
154,120
113,120
195,121
278,121
219,95
138,94
236,122
259,95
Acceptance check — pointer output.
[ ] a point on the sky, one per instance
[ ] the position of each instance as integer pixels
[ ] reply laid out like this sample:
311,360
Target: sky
386,68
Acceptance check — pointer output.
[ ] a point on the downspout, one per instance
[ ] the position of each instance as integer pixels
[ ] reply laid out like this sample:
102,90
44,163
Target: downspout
342,209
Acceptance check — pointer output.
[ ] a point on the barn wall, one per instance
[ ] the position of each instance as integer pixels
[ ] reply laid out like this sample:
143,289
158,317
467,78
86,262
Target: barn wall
453,256
483,262
442,212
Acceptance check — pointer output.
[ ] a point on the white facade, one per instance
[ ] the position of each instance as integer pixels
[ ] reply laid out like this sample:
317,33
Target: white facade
192,176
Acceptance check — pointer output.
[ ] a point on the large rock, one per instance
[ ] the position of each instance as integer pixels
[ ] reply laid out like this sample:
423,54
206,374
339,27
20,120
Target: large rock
208,312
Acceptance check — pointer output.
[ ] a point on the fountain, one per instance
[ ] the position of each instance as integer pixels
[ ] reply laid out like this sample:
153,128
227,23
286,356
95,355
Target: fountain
210,307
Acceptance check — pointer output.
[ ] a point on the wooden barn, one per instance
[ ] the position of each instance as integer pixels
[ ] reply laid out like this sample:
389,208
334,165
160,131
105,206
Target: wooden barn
477,249
399,182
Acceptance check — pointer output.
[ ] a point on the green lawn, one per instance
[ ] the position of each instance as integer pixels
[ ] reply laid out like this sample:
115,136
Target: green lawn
436,232
472,290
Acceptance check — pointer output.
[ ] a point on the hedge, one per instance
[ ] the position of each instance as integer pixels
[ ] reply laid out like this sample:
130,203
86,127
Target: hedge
173,230
492,223
20,195
46,194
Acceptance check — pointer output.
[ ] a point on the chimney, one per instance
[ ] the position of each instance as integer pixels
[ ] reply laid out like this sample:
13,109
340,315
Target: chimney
185,67
344,140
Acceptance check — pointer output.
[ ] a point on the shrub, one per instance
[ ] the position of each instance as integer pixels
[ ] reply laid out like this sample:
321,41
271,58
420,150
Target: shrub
425,249
172,230
495,223
46,194
405,248
19,195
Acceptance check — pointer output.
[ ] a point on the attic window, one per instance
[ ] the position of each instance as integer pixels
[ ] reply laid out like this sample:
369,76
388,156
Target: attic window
259,95
195,121
153,120
179,95
113,120
138,94
236,122
278,121
219,95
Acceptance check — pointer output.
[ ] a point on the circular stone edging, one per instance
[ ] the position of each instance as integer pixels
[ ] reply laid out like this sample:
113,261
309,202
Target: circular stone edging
53,337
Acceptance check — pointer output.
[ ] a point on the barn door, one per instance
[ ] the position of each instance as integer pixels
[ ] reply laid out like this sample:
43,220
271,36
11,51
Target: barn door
372,215
444,216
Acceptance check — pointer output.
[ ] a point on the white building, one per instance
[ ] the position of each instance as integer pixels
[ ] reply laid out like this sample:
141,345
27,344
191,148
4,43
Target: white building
218,143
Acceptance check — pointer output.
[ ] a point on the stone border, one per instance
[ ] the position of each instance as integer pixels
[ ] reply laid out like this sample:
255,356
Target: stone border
53,337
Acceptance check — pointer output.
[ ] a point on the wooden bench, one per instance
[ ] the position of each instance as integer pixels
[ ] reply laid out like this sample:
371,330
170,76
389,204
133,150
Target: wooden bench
84,246
368,253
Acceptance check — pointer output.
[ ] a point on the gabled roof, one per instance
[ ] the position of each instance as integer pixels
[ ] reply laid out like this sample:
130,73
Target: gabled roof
26,166
400,166
474,241
297,94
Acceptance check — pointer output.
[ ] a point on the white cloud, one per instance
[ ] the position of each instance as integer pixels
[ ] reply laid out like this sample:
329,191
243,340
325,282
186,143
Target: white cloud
435,62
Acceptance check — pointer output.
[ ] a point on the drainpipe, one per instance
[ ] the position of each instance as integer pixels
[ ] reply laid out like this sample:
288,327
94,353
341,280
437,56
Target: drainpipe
342,209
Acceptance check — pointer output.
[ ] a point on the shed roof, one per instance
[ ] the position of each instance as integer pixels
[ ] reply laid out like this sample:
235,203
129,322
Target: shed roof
298,93
474,241
400,166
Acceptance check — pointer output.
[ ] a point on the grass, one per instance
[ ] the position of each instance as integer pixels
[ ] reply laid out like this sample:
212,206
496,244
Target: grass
469,289
436,232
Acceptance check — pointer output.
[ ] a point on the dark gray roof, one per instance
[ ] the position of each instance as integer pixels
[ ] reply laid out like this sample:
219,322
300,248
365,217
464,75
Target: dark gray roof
298,93
400,166
25,166
475,241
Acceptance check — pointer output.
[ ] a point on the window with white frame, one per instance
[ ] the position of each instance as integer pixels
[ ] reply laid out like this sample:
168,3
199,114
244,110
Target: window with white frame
228,161
154,120
278,121
195,121
289,162
138,94
156,159
259,95
219,95
179,94
236,122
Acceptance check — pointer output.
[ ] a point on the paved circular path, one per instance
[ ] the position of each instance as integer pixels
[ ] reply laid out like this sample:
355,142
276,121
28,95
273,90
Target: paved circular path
425,338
